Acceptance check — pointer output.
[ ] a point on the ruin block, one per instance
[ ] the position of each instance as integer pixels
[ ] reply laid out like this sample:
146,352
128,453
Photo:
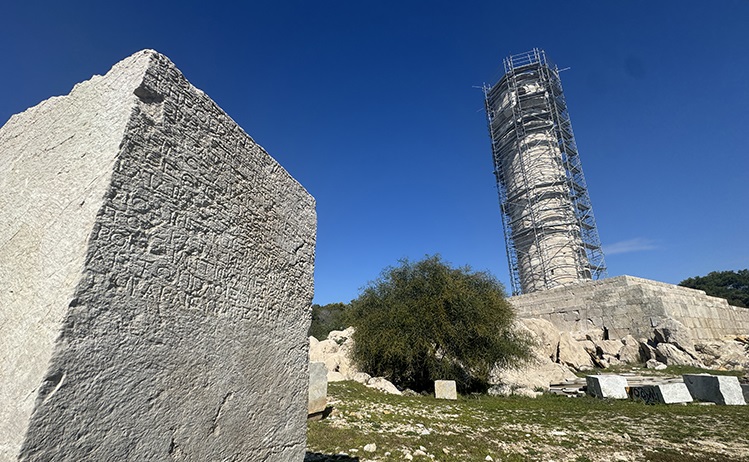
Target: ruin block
665,393
445,389
318,388
156,270
607,386
718,389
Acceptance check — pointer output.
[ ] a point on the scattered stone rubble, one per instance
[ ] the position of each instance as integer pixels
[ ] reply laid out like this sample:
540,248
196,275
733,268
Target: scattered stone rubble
336,353
558,355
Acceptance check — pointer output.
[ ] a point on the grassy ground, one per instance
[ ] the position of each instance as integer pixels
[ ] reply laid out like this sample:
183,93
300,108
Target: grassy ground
549,428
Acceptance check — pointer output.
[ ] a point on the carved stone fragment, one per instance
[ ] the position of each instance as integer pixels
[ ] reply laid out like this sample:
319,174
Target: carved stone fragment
156,275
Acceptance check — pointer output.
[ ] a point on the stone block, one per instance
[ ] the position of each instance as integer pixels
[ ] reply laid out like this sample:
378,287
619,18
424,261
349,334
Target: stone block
745,391
666,393
718,389
627,305
445,389
318,388
607,386
156,267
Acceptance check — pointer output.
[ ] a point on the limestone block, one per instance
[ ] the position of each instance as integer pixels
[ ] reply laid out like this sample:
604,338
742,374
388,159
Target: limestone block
672,355
320,351
318,388
607,386
719,389
674,332
630,350
572,353
655,364
608,347
383,384
626,305
665,393
545,334
335,376
535,374
156,267
445,389
361,377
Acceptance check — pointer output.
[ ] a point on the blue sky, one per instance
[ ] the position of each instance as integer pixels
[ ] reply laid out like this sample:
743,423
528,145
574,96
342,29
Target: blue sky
372,106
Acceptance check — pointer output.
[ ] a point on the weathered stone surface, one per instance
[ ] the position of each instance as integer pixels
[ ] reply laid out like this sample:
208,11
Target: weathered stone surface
745,391
538,374
179,257
718,389
626,305
607,386
336,352
630,350
383,384
655,364
608,347
318,388
546,336
445,389
672,331
573,354
672,355
667,393
361,377
724,354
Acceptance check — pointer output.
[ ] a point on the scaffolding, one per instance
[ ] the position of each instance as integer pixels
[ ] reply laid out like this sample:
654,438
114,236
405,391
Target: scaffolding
550,232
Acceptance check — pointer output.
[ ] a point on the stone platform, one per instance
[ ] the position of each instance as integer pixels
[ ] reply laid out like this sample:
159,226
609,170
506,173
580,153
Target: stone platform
626,305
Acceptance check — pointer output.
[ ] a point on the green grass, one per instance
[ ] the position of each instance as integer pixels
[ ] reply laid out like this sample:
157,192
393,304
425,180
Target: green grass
524,429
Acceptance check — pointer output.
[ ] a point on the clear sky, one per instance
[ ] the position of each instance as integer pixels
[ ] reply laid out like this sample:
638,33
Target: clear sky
372,106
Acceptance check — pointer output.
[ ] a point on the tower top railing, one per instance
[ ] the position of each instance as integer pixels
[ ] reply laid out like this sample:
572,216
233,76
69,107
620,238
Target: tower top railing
535,56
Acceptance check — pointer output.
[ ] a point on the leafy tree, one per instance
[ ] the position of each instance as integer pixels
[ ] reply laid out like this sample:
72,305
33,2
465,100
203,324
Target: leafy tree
327,318
731,285
426,321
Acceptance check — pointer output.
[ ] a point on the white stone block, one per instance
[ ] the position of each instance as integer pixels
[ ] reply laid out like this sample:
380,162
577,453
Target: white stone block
666,393
718,389
445,389
318,388
607,386
156,274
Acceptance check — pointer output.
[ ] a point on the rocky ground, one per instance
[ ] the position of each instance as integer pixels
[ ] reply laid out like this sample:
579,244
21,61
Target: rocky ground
558,356
368,425
371,420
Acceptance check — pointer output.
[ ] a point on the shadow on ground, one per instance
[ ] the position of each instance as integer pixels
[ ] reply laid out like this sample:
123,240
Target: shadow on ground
318,457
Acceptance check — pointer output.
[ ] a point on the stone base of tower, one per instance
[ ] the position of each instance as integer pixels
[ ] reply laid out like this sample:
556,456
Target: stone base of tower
629,305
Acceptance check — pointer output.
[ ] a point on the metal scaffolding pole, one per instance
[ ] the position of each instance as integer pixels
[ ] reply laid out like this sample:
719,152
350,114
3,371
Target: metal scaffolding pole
547,218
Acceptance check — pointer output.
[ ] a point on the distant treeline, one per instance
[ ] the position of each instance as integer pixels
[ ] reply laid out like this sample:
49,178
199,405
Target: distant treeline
326,318
731,285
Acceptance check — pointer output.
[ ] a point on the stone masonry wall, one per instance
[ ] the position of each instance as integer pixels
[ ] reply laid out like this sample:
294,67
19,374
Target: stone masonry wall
628,305
185,337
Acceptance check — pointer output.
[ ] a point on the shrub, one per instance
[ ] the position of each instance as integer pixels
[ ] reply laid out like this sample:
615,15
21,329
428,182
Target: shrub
327,318
426,321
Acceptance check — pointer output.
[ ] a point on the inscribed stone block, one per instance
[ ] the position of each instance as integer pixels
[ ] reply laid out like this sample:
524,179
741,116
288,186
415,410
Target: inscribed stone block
445,389
665,393
718,389
607,386
156,267
318,387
